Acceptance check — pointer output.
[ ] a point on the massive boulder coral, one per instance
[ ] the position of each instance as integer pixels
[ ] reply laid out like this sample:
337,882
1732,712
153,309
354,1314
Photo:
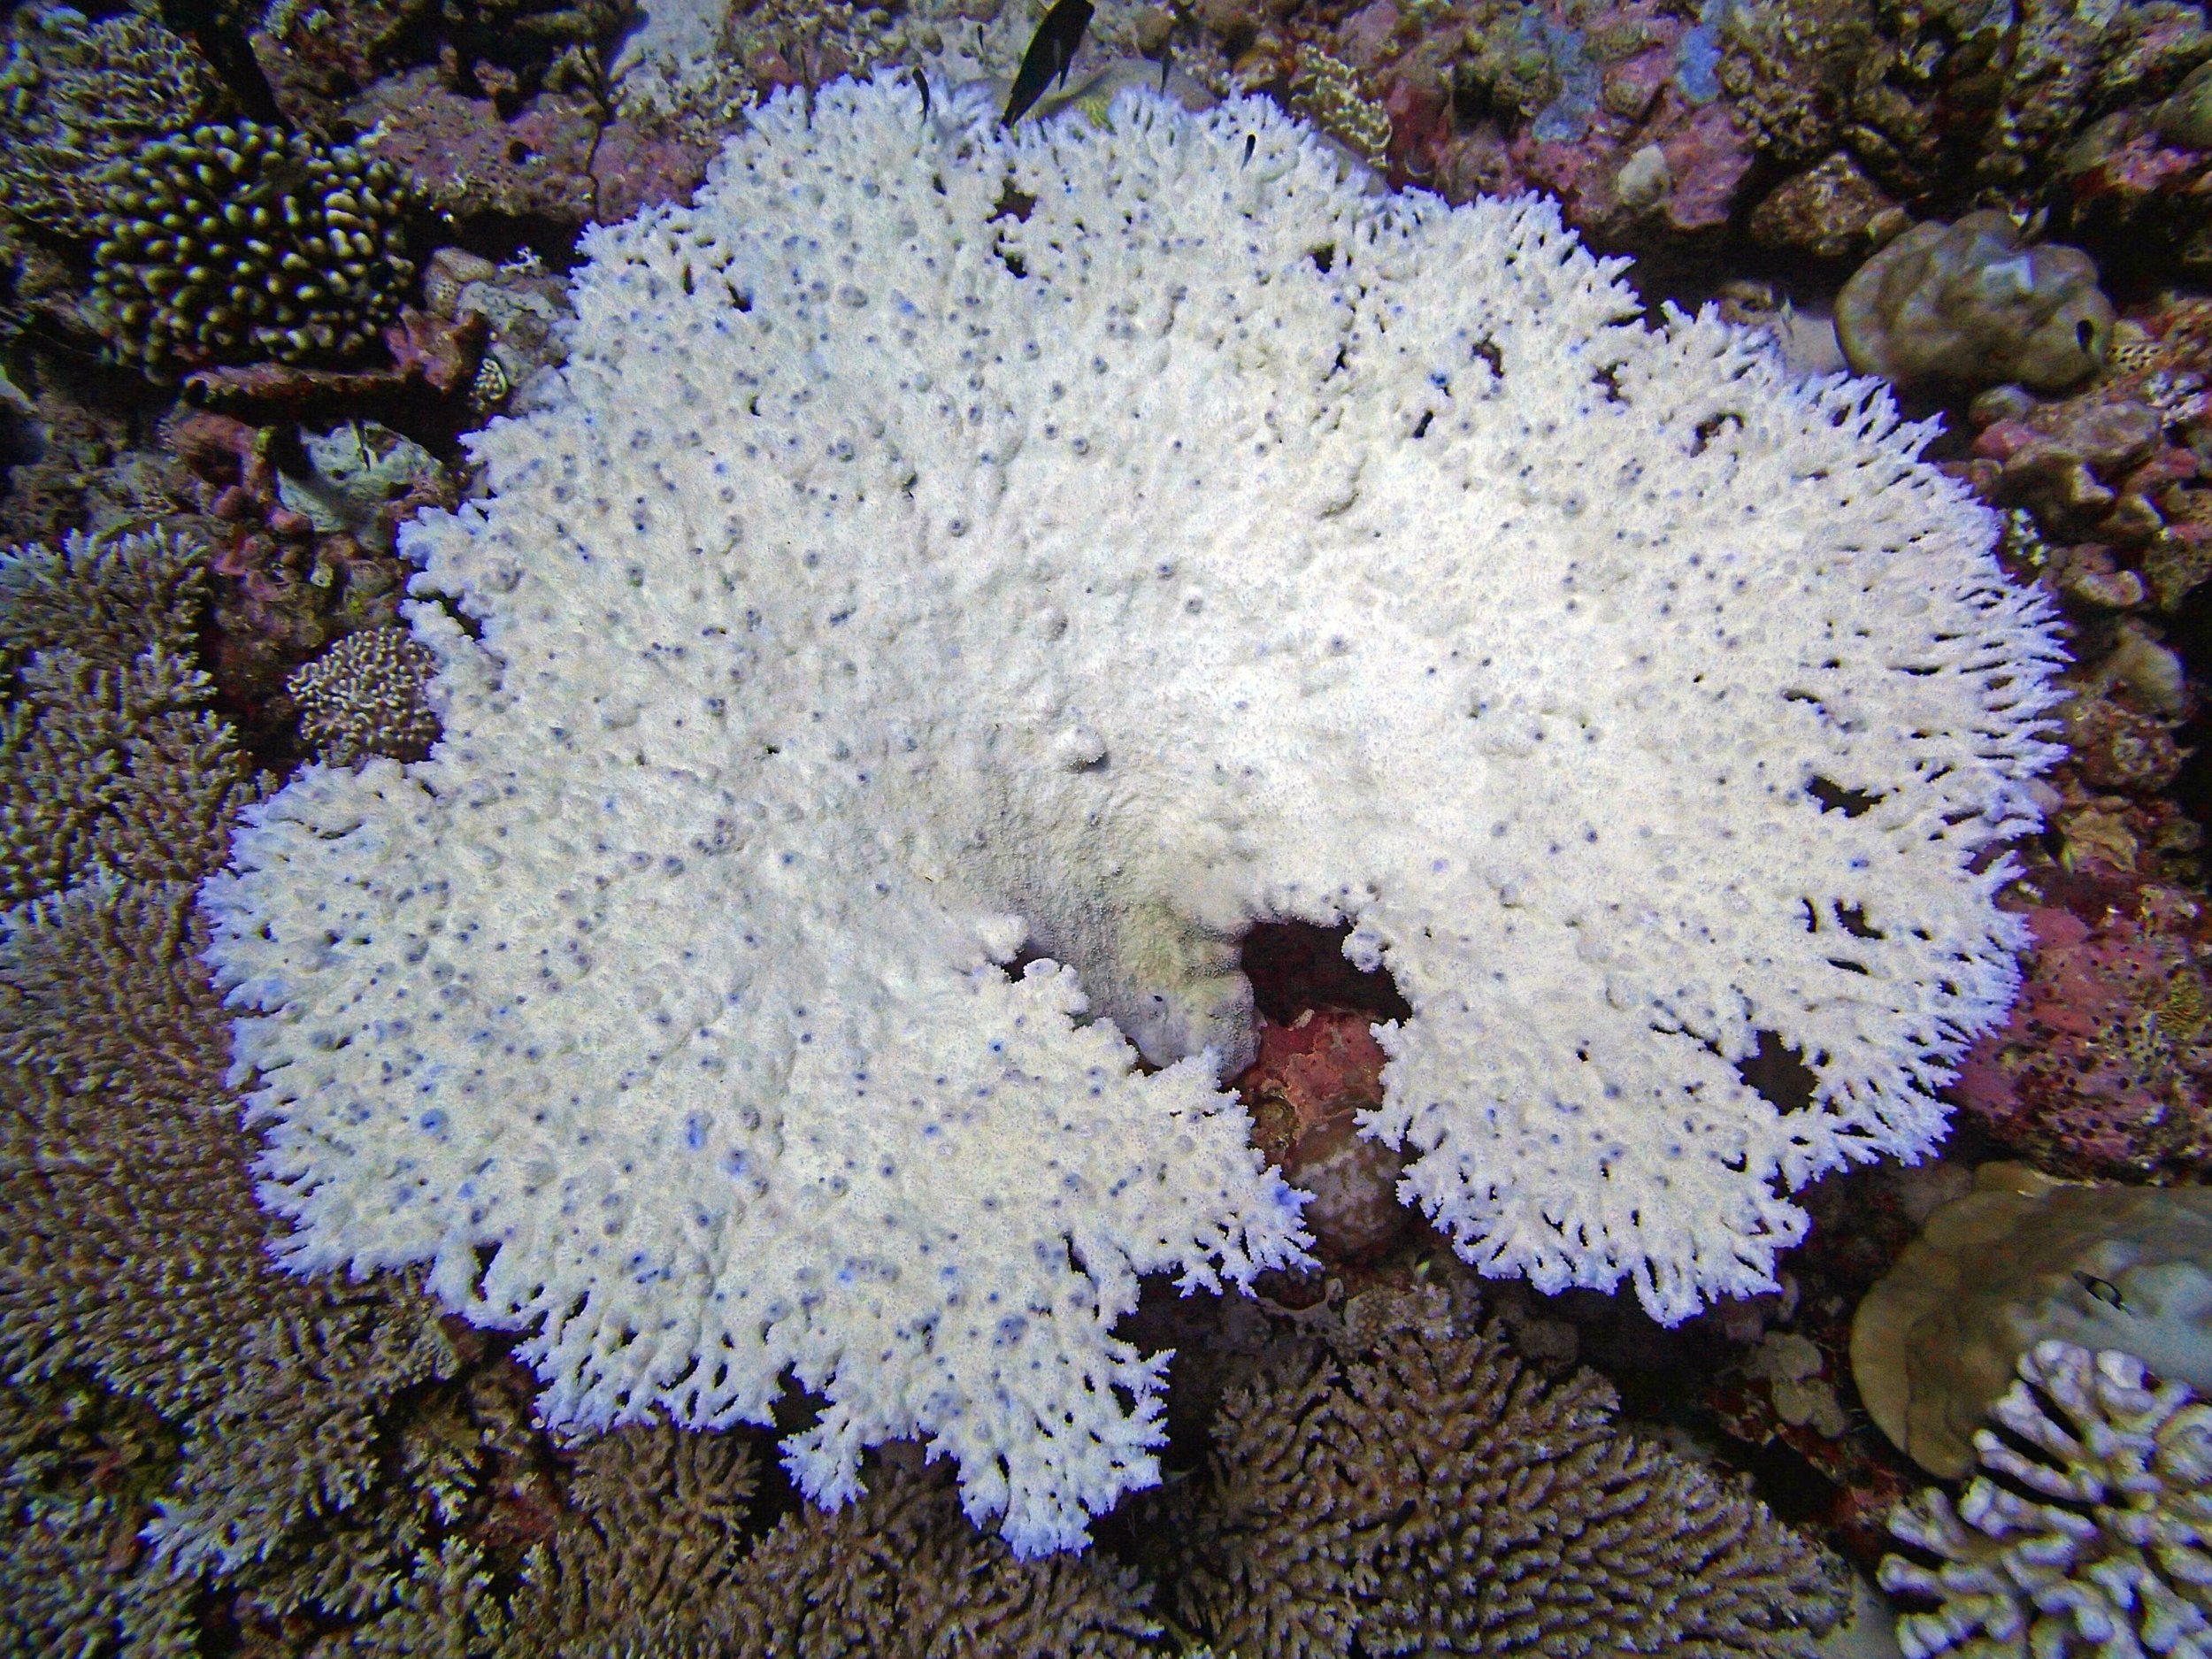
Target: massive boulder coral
959,581
1969,305
2023,1260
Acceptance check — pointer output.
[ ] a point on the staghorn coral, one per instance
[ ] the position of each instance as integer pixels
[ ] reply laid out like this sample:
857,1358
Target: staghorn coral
1436,1497
134,1249
364,696
652,1555
76,1467
109,758
132,1252
648,1551
2088,1530
236,242
78,97
812,709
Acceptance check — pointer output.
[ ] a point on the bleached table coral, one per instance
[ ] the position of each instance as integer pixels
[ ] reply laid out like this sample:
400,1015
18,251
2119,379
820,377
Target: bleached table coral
945,550
2088,1530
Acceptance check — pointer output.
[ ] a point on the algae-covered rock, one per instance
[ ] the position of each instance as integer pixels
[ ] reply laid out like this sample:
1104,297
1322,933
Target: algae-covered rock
2185,119
1974,305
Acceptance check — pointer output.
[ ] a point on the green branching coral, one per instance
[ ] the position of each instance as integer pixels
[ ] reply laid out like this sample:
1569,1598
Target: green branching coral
2089,1530
237,243
1327,90
1435,1497
77,97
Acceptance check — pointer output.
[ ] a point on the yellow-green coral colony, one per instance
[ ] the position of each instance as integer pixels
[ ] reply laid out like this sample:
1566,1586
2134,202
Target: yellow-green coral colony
238,243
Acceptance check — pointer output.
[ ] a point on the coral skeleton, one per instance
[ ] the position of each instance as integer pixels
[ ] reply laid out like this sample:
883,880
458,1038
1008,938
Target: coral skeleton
2089,1530
958,582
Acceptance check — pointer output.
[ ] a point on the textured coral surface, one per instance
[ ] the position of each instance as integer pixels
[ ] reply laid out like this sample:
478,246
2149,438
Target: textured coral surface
2088,1530
1437,1496
942,544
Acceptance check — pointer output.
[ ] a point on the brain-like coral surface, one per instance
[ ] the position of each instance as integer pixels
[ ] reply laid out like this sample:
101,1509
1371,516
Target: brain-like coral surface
957,583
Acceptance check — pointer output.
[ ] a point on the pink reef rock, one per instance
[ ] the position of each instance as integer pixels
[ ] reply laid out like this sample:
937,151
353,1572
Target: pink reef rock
1643,160
2123,180
552,160
1305,1091
2103,1065
433,355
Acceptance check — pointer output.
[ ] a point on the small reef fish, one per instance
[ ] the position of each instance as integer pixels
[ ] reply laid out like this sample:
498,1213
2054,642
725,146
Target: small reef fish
1051,50
2103,1289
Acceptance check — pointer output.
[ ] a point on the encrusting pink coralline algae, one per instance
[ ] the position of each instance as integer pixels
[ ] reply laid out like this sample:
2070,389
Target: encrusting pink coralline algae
959,581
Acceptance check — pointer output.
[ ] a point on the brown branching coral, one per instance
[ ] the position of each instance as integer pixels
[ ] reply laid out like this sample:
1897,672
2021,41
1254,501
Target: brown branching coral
134,1259
651,1549
74,1466
1436,1497
109,757
2088,1529
652,1558
76,97
134,1250
901,1575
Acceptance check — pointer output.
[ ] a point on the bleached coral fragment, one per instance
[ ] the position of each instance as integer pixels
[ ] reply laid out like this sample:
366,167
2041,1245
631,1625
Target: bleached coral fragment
1091,540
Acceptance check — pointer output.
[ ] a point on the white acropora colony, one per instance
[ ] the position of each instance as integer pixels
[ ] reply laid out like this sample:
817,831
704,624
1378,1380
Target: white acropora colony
947,549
